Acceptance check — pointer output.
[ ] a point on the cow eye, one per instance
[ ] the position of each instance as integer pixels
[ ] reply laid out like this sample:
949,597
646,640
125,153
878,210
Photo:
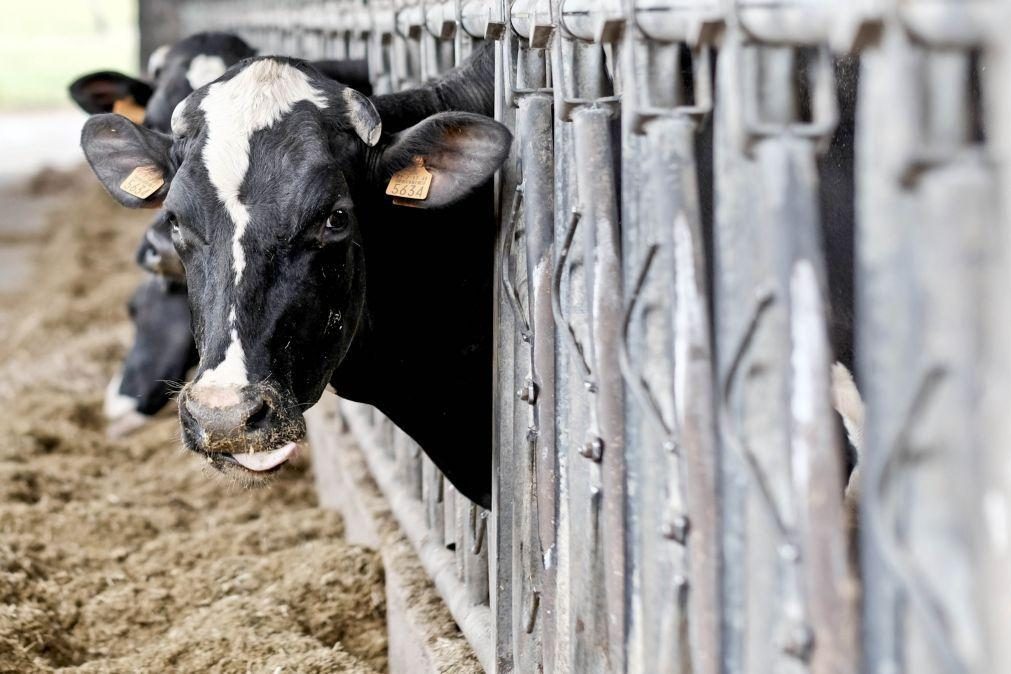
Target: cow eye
337,220
338,224
179,238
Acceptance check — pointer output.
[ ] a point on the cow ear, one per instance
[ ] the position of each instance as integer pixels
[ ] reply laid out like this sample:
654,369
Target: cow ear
461,151
133,163
362,115
99,92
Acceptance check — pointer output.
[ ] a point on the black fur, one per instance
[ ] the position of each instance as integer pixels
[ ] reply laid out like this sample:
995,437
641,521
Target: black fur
163,349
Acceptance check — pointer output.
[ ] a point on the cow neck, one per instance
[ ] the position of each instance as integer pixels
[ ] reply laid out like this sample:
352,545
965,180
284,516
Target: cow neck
423,351
428,296
470,87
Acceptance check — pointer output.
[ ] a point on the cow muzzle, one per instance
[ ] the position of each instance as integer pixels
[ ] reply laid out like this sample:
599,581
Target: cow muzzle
252,428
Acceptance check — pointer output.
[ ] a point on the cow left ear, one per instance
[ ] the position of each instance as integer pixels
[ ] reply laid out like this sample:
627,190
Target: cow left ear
460,150
100,92
132,162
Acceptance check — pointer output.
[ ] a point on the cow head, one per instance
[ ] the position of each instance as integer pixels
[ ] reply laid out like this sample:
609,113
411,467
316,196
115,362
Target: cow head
268,176
159,359
157,253
175,72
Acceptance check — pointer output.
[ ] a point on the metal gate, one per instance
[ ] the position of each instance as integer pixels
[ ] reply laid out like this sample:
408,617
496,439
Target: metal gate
669,469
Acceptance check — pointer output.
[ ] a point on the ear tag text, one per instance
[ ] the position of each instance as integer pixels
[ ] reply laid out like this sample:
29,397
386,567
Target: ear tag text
143,181
129,109
410,183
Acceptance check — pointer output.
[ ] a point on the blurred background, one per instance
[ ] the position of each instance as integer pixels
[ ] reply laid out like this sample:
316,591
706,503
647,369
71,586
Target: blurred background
45,46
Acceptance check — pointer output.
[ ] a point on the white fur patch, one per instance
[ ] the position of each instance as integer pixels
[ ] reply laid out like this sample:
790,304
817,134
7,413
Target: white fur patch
230,372
116,404
256,98
204,69
363,117
848,403
178,124
157,59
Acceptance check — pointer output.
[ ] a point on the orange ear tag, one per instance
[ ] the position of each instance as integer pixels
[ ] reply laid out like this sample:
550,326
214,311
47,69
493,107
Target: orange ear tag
129,109
143,181
410,183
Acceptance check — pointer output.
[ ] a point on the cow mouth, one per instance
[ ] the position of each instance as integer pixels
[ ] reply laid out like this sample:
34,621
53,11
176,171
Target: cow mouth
259,462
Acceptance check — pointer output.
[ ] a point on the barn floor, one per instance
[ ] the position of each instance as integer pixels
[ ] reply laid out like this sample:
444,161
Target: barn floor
130,555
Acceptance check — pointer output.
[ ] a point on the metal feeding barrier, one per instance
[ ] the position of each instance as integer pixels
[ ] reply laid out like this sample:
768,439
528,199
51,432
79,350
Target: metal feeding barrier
669,469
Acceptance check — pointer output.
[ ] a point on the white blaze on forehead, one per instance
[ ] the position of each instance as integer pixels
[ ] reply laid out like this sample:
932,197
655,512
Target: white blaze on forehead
204,69
157,59
254,99
230,372
257,97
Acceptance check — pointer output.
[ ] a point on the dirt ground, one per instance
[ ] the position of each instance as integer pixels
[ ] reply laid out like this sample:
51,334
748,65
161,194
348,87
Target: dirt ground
130,555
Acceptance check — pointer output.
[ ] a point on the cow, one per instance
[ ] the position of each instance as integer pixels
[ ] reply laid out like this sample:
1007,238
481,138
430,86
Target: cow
302,271
163,349
175,71
162,353
178,70
156,253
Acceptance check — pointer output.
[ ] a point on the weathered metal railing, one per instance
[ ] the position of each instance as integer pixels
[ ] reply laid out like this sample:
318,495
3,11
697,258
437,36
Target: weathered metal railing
668,466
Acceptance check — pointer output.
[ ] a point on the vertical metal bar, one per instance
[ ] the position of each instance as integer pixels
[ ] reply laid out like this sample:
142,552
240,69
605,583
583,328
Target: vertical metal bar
534,121
778,441
918,485
995,430
475,566
501,554
596,186
449,514
434,498
672,516
525,92
569,401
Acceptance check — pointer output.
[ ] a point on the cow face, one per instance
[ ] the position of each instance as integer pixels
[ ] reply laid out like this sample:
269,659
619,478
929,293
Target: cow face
157,363
268,178
157,253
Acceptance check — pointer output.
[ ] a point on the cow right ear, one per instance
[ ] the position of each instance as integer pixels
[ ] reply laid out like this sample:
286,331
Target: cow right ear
99,92
133,163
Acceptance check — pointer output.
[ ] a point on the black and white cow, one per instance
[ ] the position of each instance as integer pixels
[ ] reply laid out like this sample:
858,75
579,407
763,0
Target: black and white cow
157,254
160,356
178,70
162,353
302,272
175,71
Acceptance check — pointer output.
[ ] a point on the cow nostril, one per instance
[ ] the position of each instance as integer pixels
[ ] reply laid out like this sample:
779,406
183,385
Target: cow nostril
259,417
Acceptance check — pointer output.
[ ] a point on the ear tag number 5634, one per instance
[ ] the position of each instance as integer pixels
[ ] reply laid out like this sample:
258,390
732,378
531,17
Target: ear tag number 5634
411,182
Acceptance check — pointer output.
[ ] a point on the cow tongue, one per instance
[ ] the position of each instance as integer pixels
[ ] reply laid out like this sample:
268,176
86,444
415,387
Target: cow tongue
260,461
